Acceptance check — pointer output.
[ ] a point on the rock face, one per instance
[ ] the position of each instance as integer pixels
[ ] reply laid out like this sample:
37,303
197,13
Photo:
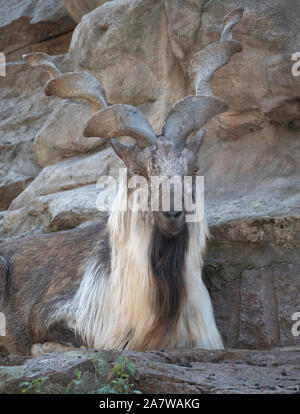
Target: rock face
26,26
77,8
254,281
140,51
24,109
158,372
62,196
30,21
61,135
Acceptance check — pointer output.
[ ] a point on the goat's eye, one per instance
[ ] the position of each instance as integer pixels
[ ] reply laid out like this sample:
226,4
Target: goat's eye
195,170
136,172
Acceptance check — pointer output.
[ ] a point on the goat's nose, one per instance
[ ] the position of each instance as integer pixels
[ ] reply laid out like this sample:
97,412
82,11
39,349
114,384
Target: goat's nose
172,214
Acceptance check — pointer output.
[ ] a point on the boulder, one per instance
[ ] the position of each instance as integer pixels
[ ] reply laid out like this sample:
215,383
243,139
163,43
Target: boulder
77,8
66,175
24,108
61,136
57,211
26,26
63,196
31,21
125,44
258,83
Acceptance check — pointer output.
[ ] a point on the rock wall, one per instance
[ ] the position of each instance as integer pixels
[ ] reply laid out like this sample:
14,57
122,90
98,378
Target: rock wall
26,26
140,51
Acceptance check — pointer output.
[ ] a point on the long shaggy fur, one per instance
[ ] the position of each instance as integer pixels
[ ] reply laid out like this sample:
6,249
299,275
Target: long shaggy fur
152,296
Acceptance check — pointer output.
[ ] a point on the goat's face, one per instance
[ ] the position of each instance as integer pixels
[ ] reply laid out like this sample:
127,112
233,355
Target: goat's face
164,159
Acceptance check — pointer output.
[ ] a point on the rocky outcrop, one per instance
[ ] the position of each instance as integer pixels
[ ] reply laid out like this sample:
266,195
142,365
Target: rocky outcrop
23,24
140,51
26,26
62,196
254,281
77,8
61,135
159,372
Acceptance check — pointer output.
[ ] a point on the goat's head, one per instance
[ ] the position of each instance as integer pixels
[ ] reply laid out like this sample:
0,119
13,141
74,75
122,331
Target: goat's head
174,152
169,162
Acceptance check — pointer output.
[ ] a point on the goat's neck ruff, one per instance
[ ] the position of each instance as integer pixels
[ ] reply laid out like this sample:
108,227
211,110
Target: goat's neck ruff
119,309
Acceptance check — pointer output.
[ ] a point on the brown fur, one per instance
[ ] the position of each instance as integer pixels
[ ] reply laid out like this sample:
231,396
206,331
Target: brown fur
35,281
167,258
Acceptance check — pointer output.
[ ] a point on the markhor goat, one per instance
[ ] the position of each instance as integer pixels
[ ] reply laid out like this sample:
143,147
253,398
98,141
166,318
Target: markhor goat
134,280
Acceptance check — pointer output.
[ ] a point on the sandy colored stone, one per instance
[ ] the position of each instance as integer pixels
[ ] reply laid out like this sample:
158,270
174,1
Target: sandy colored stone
66,175
61,136
78,8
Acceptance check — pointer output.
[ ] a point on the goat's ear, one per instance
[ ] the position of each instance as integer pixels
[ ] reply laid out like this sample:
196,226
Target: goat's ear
123,151
196,142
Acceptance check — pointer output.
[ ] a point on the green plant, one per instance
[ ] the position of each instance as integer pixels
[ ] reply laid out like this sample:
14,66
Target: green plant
42,386
97,362
119,378
73,386
38,385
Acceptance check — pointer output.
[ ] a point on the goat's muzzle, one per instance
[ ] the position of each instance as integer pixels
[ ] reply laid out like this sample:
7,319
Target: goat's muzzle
170,223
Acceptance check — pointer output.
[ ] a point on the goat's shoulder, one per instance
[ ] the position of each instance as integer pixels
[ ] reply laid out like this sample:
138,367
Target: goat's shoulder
56,256
85,233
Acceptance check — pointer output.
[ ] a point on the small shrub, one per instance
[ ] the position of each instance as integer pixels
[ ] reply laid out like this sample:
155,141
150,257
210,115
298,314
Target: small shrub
36,386
119,378
73,386
118,381
43,386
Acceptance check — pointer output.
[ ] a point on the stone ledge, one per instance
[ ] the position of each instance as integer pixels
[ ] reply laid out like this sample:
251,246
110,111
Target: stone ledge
170,371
